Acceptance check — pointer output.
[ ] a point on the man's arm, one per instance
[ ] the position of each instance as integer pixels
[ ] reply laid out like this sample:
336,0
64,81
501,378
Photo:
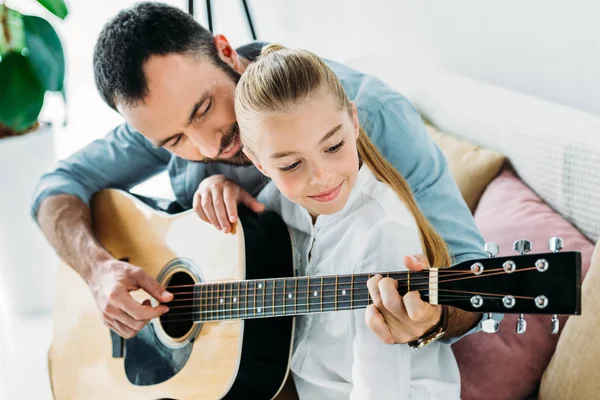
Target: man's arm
398,131
120,160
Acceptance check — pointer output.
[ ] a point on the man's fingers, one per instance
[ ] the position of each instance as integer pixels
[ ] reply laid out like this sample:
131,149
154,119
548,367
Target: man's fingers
123,330
250,202
129,322
151,286
416,262
220,208
207,205
375,321
391,299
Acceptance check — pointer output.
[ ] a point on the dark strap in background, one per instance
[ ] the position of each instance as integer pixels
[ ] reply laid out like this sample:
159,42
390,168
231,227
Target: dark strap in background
209,15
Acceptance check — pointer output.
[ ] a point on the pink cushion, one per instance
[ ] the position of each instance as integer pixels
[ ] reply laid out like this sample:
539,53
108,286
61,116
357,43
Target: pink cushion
506,365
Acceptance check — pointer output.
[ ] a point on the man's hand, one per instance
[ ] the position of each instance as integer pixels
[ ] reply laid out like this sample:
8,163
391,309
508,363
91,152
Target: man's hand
111,282
216,201
397,319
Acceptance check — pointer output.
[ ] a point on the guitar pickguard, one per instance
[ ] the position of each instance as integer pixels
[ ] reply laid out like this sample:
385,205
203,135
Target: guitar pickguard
148,361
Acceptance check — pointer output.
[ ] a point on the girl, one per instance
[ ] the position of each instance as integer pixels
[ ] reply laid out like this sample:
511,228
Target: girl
349,211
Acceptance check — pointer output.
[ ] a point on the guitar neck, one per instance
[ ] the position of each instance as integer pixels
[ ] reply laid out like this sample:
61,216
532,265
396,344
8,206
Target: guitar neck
262,298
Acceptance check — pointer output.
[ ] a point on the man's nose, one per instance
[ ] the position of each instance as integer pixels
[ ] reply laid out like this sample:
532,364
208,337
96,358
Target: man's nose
209,143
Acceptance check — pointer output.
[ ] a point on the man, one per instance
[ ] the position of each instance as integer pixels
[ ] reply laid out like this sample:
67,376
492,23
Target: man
174,84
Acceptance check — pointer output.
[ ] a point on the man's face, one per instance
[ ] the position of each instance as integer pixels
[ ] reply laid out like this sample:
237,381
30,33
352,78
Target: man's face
189,109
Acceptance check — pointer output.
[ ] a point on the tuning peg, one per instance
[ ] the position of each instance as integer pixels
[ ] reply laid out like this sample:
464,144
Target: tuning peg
555,244
489,325
492,249
521,325
555,324
522,246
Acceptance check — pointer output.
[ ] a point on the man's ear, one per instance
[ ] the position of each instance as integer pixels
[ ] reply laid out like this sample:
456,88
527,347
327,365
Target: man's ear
254,160
228,53
355,121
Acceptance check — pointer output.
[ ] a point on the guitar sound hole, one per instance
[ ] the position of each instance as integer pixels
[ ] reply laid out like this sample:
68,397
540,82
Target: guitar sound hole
179,320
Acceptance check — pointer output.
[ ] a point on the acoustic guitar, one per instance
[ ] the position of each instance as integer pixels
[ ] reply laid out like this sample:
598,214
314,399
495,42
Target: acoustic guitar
229,330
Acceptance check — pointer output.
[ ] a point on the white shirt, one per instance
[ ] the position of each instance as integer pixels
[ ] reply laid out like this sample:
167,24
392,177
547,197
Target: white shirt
336,356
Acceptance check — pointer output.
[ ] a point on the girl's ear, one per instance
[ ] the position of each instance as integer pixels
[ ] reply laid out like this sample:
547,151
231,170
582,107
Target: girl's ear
355,122
254,160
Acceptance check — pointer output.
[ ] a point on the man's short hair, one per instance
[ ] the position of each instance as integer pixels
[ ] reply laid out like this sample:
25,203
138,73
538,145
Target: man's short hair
134,35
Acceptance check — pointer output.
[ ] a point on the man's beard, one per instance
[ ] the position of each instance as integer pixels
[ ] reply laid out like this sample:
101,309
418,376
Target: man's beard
239,159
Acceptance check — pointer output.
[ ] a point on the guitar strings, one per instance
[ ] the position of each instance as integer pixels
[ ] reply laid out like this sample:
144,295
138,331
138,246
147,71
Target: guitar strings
269,311
327,287
423,272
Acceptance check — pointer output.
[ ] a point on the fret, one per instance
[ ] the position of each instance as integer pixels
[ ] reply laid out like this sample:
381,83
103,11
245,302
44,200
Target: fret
221,299
262,312
284,297
251,300
279,295
290,296
314,293
196,305
352,292
269,290
237,300
302,295
274,311
321,295
226,300
244,300
260,296
211,305
329,293
295,296
360,292
344,292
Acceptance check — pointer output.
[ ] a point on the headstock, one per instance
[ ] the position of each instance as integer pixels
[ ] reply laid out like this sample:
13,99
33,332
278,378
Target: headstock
547,283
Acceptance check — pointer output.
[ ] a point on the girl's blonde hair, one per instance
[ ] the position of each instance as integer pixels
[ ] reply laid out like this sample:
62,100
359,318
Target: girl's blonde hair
281,78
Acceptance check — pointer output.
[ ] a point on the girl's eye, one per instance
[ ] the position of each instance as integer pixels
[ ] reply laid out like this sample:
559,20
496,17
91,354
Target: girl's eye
290,167
334,149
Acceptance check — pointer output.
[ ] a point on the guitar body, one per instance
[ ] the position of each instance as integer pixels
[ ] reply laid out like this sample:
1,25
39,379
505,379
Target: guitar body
233,359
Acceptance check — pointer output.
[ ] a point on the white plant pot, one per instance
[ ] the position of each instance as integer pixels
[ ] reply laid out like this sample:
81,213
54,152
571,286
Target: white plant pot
28,263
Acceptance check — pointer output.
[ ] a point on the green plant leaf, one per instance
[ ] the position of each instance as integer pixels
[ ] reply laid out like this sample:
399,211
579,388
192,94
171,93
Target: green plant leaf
22,94
45,52
56,7
15,32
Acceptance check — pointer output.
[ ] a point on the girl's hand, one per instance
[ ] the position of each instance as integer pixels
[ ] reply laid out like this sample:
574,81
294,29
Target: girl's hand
395,318
216,201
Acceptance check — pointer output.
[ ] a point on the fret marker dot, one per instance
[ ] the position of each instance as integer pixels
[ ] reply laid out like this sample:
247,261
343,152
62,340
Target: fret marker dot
315,293
258,309
221,301
343,292
289,296
235,299
260,285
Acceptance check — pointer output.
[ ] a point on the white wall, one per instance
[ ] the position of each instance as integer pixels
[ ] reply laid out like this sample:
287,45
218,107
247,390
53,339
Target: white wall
547,48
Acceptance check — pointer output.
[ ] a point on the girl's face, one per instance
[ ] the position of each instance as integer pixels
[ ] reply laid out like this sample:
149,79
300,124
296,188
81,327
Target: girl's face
309,153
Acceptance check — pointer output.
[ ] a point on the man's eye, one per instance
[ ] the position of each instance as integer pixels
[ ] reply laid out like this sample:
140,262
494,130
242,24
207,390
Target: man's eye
290,167
334,149
176,141
206,110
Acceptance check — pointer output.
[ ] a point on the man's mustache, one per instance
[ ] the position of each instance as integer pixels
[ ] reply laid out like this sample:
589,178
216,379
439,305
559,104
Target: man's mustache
230,137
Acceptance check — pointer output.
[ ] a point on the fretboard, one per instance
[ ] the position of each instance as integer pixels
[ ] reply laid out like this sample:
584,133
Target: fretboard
260,298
